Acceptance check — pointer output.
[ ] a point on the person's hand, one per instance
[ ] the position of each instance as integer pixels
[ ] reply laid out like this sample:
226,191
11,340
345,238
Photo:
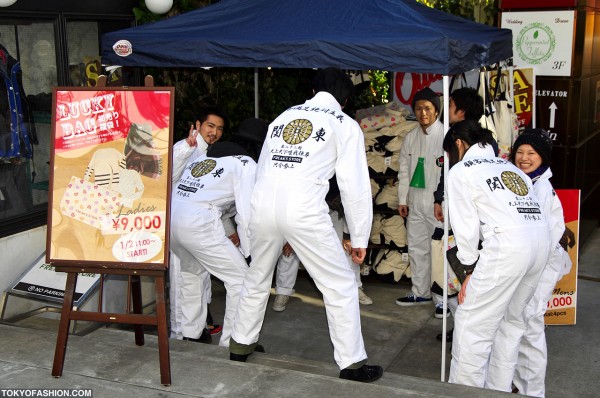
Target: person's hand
235,238
568,239
438,212
462,295
403,210
347,245
287,250
358,255
191,138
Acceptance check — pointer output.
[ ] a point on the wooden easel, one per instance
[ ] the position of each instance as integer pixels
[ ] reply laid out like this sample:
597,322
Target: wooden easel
135,317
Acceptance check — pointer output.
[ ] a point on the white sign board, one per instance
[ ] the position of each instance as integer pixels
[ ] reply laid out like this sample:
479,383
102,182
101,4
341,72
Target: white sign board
542,39
43,282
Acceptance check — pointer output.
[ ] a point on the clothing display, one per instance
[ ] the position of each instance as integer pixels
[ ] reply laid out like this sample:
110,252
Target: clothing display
17,129
384,129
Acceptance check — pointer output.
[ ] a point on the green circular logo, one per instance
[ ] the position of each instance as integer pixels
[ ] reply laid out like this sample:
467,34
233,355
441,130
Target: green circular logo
536,43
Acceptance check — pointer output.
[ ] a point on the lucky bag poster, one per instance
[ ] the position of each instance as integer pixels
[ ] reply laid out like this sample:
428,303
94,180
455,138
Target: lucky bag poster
111,152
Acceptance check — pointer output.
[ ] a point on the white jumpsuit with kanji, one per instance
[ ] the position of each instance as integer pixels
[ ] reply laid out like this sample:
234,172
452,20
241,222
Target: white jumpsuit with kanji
208,188
183,155
489,196
287,266
305,146
421,222
530,372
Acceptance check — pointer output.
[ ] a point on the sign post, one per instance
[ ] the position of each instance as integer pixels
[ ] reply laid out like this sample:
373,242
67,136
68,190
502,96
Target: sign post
109,207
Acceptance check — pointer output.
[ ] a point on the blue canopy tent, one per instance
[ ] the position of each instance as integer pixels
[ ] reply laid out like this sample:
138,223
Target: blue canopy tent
393,35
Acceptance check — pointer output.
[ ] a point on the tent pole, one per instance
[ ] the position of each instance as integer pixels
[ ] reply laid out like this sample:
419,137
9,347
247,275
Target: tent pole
445,81
256,92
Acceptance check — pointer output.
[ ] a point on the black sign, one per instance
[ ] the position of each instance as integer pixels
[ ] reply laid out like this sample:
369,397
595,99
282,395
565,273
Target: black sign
552,102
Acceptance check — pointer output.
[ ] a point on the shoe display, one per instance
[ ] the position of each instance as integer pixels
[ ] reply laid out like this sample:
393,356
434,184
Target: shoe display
411,299
205,337
364,374
439,311
214,329
280,302
363,298
449,334
244,357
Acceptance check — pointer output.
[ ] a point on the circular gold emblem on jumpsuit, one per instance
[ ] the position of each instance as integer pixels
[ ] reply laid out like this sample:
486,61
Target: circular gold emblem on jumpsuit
204,167
515,183
297,131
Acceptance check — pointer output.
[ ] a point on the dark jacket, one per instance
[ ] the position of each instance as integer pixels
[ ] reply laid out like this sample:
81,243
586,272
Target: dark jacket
17,130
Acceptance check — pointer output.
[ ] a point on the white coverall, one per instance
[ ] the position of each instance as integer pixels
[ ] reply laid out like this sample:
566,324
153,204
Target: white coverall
530,371
421,223
183,155
305,146
287,272
208,188
489,196
287,267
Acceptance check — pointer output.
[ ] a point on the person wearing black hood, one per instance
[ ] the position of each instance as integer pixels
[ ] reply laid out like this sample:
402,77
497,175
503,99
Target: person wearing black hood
250,135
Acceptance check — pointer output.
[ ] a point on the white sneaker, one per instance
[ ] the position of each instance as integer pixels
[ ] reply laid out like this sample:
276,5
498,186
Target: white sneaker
363,298
280,302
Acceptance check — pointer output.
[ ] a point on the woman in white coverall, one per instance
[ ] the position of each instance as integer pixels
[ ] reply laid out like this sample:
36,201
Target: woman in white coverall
210,186
490,197
305,146
423,143
531,153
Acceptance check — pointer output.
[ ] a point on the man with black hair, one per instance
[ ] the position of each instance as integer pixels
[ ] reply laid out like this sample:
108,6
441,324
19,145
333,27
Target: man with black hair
421,161
465,104
210,125
305,146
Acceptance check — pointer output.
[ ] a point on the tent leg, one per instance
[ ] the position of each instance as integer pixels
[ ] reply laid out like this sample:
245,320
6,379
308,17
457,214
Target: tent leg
256,92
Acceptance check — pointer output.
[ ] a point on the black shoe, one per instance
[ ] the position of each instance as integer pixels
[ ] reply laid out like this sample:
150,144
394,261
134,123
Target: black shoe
449,335
364,374
205,337
243,357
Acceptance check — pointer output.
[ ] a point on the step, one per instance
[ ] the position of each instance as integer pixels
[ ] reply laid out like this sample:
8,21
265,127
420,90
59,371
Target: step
108,361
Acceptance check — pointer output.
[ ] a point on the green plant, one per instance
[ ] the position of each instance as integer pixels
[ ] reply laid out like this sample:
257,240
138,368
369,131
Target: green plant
482,11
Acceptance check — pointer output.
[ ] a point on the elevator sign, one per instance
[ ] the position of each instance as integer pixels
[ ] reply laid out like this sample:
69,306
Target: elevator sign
552,101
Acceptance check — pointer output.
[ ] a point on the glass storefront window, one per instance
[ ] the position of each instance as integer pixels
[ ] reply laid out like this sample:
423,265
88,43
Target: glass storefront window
29,52
28,70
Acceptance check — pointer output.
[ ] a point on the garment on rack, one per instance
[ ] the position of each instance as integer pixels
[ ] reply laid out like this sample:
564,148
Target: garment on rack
17,130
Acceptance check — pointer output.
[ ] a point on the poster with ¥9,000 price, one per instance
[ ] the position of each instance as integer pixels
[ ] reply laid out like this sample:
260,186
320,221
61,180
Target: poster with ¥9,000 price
110,181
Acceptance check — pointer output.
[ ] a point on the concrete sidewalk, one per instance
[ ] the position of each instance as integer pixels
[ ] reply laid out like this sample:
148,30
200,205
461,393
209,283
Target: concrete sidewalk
299,358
